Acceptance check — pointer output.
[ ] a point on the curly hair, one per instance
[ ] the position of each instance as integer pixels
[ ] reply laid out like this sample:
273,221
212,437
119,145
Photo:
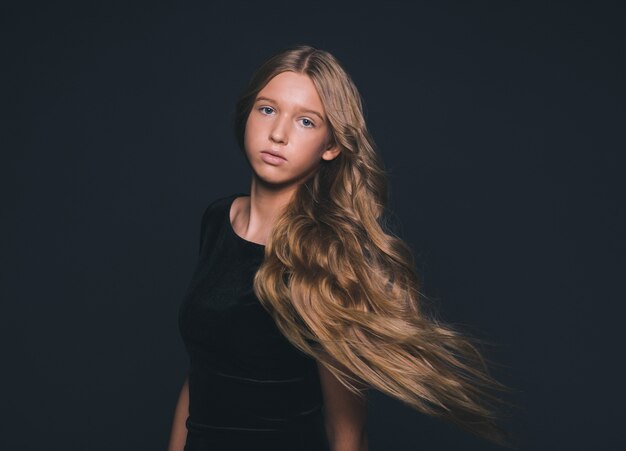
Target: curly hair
344,290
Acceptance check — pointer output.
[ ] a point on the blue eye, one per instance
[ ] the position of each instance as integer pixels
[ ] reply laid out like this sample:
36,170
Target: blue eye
306,122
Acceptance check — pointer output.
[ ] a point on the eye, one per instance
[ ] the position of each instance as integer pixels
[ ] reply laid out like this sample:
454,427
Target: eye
308,123
264,108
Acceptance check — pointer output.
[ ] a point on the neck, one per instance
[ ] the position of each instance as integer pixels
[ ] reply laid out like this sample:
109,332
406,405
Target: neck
260,211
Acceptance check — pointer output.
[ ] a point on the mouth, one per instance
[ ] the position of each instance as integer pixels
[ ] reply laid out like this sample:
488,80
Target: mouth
273,154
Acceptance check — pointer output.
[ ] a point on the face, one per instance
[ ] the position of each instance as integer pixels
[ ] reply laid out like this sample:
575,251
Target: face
288,119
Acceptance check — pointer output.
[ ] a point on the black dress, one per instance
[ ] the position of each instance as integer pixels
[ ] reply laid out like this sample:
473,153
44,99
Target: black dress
249,388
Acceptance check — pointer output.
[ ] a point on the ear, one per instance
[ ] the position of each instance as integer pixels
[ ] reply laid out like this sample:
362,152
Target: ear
332,151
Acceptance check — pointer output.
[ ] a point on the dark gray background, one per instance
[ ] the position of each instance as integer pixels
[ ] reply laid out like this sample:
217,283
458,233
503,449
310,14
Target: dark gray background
502,124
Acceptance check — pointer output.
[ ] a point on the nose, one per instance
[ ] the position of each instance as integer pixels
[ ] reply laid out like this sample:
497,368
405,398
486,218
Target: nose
278,132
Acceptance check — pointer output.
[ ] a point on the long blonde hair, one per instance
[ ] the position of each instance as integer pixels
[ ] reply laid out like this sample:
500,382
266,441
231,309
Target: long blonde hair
344,290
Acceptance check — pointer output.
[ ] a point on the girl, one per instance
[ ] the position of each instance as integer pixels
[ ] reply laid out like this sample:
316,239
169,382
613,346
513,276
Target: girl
301,301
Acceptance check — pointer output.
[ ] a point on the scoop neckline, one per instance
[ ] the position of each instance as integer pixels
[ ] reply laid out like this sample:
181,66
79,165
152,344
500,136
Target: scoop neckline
230,224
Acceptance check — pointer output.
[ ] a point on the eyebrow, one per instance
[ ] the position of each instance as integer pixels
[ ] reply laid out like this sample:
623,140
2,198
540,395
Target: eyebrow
305,111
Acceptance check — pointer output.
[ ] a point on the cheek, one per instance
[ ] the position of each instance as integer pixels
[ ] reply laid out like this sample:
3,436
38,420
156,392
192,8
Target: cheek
311,152
316,144
249,132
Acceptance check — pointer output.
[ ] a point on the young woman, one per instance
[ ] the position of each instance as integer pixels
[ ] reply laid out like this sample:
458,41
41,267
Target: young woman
302,300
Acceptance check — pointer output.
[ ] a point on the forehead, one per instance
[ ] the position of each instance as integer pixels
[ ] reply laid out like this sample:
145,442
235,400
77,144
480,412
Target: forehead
292,89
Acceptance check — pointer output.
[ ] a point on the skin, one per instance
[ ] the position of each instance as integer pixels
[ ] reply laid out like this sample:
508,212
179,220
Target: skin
281,120
302,138
178,433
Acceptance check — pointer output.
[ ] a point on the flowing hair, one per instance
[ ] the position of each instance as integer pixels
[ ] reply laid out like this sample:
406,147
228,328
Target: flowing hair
345,291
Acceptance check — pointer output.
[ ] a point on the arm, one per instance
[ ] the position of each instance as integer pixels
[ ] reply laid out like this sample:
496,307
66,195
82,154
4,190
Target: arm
345,414
178,435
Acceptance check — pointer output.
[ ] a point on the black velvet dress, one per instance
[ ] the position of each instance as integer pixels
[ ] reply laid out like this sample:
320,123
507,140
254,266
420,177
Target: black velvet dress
249,388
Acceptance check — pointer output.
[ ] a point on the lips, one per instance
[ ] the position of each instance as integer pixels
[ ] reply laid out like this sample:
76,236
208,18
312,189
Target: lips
276,154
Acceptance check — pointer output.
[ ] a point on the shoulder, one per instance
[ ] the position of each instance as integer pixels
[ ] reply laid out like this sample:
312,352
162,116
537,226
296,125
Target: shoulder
217,204
218,207
213,216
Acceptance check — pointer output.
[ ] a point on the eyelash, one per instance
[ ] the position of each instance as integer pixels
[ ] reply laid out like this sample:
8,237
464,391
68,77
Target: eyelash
310,121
